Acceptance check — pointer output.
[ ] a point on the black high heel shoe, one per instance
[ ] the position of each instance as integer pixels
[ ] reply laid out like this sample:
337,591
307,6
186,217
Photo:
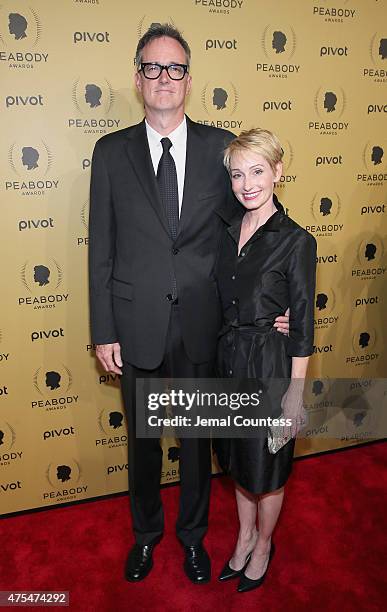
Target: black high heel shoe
247,584
228,573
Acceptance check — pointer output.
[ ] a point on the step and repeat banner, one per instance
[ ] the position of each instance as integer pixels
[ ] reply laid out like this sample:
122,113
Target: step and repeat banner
313,71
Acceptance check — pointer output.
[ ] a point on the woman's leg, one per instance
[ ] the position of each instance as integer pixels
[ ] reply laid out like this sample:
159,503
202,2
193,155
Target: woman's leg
269,508
247,513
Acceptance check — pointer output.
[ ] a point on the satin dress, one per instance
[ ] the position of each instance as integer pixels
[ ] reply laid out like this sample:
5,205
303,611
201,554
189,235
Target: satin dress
275,270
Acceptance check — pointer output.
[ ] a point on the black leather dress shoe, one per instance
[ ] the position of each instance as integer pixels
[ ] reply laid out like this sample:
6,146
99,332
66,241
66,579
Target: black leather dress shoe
228,573
197,564
139,562
246,584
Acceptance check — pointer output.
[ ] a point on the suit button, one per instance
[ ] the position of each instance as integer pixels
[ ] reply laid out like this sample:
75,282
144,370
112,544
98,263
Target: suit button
175,251
233,277
169,297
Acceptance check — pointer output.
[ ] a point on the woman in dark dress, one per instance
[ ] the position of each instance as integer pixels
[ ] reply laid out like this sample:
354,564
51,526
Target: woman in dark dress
267,263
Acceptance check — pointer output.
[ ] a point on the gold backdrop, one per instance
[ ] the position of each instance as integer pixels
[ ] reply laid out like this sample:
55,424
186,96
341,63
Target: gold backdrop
312,71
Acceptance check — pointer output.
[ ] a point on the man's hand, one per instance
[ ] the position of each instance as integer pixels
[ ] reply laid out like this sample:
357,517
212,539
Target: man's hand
109,356
282,323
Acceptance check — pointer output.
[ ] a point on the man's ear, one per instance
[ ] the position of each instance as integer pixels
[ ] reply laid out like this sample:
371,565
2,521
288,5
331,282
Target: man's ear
189,84
137,81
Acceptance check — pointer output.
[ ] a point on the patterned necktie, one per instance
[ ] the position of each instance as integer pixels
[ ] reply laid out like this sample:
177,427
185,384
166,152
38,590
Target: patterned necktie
167,181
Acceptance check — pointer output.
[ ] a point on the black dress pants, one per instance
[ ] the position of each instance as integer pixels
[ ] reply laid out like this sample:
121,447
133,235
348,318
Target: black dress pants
145,455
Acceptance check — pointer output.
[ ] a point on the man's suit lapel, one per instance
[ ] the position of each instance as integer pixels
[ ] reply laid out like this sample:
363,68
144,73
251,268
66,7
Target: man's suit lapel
194,163
138,151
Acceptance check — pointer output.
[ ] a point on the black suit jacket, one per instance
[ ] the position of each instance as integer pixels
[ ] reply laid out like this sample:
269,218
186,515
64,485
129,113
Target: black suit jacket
132,256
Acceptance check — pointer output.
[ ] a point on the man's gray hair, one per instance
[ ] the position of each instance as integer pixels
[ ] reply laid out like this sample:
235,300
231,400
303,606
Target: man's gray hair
158,30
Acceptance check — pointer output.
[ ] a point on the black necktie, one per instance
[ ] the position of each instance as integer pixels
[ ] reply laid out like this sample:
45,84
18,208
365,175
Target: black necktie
167,180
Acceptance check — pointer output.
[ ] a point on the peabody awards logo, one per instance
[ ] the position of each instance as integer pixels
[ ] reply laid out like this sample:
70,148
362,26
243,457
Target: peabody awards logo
42,278
112,424
325,209
63,478
325,305
93,99
84,217
317,402
363,347
219,7
31,161
374,163
289,176
8,450
377,69
370,255
329,104
278,46
220,101
20,34
334,13
53,383
359,418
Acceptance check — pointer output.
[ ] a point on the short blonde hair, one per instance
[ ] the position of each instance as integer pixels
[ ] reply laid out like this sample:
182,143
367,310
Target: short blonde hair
259,141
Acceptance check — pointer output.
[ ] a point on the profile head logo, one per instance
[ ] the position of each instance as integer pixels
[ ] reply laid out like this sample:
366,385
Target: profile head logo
53,380
358,418
364,339
279,41
330,100
115,419
30,157
41,275
93,94
173,453
49,381
370,251
325,206
17,25
7,436
63,473
383,48
318,387
377,155
1,437
321,301
219,98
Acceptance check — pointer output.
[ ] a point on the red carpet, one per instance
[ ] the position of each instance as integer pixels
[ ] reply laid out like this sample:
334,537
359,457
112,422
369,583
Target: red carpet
331,547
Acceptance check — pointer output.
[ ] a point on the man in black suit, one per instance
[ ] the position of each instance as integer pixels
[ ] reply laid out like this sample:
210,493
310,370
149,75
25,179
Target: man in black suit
155,312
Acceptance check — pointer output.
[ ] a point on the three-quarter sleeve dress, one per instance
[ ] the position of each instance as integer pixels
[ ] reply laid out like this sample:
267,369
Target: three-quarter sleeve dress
275,270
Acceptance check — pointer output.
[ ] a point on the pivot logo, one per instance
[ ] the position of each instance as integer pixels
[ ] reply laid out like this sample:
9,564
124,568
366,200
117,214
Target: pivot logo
25,224
333,14
86,163
325,306
3,390
8,453
117,469
3,356
278,47
23,101
46,335
95,99
108,378
333,51
329,104
31,162
42,279
285,105
325,209
363,346
84,216
57,433
376,108
100,37
215,43
326,348
370,255
220,101
67,473
289,175
6,487
112,424
376,70
219,7
20,33
329,160
53,385
374,162
147,22
367,301
375,209
326,259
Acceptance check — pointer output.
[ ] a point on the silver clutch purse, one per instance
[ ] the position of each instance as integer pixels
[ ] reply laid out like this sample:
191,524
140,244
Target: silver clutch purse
277,437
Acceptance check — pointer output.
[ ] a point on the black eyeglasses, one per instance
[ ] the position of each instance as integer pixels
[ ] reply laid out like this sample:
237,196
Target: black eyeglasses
152,70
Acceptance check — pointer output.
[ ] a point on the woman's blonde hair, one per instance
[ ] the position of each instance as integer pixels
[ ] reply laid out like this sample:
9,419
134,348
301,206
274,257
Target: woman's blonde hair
258,141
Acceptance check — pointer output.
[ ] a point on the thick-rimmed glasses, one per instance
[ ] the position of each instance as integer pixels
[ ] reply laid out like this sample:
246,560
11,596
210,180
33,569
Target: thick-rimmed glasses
152,70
